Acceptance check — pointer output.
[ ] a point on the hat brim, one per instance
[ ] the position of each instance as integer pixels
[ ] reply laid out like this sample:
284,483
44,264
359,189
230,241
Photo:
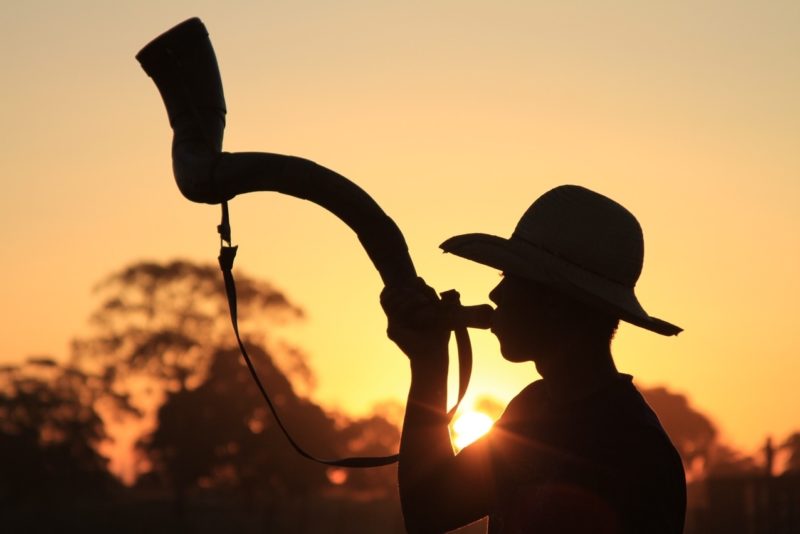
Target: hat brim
517,257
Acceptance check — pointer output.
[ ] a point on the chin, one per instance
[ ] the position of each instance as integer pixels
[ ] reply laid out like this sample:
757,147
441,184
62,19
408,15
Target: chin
514,356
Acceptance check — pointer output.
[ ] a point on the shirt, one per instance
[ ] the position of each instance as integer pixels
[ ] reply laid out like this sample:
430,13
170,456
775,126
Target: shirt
601,464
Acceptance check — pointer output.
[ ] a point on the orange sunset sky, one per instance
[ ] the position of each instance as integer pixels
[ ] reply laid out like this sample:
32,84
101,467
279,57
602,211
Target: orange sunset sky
454,116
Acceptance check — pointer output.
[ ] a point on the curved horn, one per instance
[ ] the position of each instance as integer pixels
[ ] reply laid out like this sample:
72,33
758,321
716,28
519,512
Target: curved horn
183,66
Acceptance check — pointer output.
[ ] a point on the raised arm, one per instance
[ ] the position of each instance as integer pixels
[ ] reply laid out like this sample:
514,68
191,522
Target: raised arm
439,490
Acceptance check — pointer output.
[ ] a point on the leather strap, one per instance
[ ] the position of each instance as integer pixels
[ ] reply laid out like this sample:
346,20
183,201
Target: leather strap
227,254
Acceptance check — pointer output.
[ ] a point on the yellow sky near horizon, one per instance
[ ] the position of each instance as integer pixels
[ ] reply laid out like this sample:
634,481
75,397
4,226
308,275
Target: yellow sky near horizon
454,116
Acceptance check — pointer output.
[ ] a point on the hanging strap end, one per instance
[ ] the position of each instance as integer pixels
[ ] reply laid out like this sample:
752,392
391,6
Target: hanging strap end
226,257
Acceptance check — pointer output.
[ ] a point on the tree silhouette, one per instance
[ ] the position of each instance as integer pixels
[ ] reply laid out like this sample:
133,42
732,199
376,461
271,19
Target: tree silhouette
792,446
158,326
221,434
168,324
164,321
696,437
49,432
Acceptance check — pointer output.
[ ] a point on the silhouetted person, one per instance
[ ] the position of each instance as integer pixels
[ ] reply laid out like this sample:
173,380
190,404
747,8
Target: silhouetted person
578,450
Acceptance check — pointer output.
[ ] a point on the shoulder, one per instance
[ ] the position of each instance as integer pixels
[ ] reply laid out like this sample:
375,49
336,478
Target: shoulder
525,405
627,407
636,430
651,478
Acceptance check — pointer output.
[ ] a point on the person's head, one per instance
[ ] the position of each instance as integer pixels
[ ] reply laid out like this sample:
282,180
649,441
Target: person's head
570,268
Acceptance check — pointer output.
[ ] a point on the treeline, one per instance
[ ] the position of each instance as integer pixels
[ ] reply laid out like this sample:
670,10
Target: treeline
160,350
209,457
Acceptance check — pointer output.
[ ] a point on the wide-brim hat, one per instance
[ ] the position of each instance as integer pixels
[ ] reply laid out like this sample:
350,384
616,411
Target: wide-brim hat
577,241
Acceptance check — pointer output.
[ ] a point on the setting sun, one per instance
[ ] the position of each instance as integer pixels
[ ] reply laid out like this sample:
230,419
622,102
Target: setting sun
469,426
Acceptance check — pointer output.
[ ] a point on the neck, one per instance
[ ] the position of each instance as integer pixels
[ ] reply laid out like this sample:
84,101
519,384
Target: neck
573,373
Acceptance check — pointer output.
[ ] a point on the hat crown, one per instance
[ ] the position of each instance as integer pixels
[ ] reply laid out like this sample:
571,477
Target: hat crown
587,229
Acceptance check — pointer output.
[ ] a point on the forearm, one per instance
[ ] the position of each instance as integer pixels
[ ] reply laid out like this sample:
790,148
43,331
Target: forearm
438,490
425,444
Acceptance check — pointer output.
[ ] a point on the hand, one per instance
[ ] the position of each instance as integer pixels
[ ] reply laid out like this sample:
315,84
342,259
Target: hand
417,320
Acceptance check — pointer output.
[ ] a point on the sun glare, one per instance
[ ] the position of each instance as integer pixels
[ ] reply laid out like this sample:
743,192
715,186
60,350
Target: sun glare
469,426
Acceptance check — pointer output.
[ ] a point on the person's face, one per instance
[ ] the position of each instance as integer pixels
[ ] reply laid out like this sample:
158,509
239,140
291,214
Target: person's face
523,319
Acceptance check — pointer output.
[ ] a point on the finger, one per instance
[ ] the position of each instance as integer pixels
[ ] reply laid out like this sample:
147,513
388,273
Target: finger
402,299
